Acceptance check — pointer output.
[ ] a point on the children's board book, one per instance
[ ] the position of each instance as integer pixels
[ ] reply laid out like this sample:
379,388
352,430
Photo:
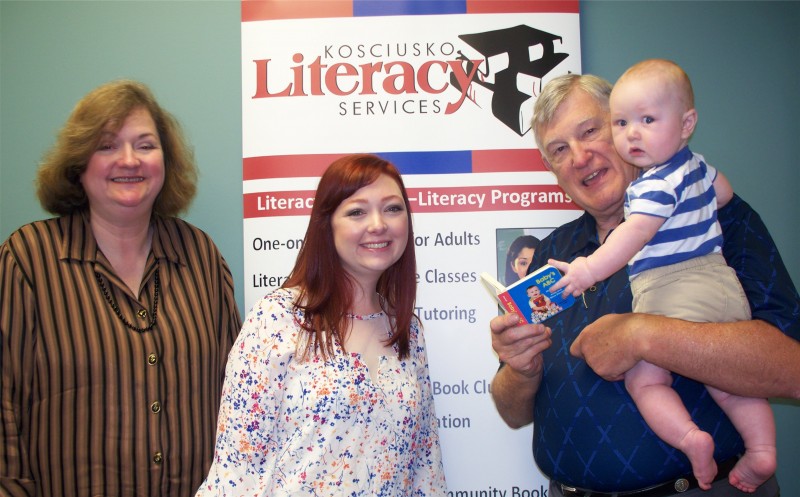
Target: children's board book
530,297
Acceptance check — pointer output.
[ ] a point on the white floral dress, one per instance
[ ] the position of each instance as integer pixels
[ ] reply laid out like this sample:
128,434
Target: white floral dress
321,428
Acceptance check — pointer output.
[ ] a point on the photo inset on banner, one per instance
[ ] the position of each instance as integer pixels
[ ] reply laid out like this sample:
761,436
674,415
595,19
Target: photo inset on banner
515,249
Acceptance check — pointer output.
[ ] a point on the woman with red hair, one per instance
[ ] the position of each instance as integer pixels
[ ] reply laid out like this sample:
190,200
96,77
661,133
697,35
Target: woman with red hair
327,390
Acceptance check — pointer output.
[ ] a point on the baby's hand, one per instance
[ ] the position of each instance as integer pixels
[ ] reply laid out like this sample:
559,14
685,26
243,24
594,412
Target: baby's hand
577,277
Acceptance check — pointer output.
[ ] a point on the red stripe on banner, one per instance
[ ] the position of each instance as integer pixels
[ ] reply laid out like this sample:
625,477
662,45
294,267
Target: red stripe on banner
265,10
537,6
309,166
286,166
426,200
493,161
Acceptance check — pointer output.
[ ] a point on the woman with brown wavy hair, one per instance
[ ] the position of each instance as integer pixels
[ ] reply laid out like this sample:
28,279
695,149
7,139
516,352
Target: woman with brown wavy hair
115,317
327,390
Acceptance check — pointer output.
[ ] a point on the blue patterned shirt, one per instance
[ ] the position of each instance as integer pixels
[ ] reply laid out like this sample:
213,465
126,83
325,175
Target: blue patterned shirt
587,431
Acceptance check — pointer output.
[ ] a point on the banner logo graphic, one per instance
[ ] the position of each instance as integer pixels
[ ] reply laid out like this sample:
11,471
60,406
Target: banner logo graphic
508,65
517,44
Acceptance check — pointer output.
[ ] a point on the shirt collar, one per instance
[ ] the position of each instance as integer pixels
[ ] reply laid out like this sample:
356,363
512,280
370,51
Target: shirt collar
167,241
574,239
78,242
585,236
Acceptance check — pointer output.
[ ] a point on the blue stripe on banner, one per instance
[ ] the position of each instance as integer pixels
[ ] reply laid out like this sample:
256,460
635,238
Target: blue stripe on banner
458,161
407,7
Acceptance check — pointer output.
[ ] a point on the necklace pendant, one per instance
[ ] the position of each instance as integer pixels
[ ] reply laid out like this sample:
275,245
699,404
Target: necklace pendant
142,313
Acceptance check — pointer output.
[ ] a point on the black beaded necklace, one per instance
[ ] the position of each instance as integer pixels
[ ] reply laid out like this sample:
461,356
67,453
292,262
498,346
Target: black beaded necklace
142,313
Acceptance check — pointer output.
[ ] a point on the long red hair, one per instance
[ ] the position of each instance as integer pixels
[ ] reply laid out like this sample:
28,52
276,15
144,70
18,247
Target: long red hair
326,290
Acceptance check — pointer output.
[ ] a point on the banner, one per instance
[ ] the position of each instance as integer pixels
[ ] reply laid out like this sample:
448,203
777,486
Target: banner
445,91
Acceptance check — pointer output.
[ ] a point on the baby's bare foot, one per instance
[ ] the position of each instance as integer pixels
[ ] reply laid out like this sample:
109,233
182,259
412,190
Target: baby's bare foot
754,468
699,448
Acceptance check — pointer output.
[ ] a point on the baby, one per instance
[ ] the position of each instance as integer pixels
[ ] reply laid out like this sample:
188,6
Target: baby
672,244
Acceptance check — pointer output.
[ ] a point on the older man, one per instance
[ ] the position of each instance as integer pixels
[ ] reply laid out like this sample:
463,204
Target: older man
589,437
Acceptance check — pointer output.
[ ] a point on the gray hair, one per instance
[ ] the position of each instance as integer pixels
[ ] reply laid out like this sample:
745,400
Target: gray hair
557,90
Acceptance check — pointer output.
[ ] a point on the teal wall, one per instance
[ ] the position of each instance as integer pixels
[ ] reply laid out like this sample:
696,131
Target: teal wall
742,58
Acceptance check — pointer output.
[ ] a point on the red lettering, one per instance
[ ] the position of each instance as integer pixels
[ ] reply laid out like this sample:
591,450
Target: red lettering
424,77
405,79
369,71
316,76
261,82
298,76
332,78
464,80
341,79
